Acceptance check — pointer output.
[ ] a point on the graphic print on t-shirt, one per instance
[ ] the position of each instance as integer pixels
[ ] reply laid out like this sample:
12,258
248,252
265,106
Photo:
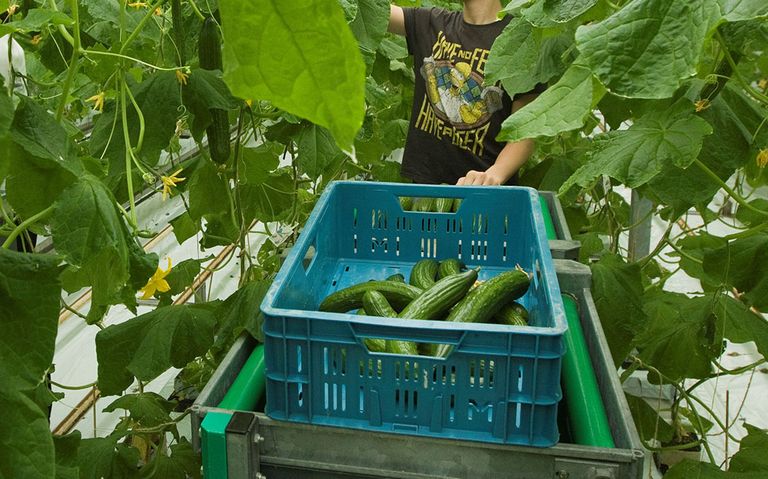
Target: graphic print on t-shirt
457,104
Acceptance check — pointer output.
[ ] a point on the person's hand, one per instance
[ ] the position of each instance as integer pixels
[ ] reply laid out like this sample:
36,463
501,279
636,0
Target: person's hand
480,178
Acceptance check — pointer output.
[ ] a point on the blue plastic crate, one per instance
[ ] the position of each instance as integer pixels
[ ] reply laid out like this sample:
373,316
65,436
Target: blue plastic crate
499,384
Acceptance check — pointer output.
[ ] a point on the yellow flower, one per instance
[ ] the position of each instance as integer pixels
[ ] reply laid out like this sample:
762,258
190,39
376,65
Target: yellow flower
36,39
138,5
763,84
11,10
182,77
157,282
702,105
249,102
98,101
170,182
762,158
159,12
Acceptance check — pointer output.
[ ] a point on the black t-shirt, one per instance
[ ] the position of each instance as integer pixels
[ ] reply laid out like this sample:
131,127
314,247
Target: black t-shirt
455,117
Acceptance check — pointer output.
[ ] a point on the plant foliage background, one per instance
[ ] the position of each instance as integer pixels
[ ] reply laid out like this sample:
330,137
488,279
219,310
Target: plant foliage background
667,97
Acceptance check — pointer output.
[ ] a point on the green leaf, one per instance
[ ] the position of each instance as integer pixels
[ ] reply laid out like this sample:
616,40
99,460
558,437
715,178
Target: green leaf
7,112
646,49
751,456
318,74
37,18
147,409
698,247
636,155
182,463
257,163
208,193
29,292
184,227
27,448
563,107
66,455
271,200
89,232
183,275
34,184
617,289
149,344
370,23
649,423
749,217
740,10
104,457
316,150
522,57
240,311
205,90
40,135
681,337
688,469
741,325
742,263
550,13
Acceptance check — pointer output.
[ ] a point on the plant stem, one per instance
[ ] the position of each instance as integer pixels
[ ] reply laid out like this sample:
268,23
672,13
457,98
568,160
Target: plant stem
72,388
25,224
140,26
741,201
683,253
128,156
752,92
73,63
135,60
64,33
747,233
140,141
196,10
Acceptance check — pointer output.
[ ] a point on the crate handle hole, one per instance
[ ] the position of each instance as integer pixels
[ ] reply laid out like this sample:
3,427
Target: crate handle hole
309,258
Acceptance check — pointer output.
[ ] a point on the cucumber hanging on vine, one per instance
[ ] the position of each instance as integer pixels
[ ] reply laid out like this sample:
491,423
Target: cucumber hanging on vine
177,18
209,51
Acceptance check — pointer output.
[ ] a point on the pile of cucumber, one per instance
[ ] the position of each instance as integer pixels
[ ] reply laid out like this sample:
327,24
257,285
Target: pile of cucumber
443,290
427,205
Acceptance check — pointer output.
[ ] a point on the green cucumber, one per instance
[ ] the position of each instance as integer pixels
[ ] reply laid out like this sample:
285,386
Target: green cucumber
423,273
434,302
347,299
177,19
456,205
513,314
377,304
443,205
399,278
484,301
449,266
406,203
210,56
373,345
424,205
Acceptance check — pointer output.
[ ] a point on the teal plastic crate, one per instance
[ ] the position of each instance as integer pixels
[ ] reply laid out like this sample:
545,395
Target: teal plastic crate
499,384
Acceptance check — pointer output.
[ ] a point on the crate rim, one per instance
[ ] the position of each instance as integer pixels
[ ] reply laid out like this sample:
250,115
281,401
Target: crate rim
559,326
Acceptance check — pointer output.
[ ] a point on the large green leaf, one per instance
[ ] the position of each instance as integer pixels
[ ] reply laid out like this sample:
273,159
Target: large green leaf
649,423
636,155
271,200
147,409
257,163
618,290
741,325
512,57
149,344
689,469
370,23
89,232
681,338
742,263
316,150
182,463
563,107
301,56
696,247
29,294
646,49
106,457
208,193
38,132
241,312
6,113
26,447
549,13
739,10
751,456
66,455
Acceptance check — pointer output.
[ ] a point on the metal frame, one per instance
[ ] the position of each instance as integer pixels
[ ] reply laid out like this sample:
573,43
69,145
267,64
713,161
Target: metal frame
290,450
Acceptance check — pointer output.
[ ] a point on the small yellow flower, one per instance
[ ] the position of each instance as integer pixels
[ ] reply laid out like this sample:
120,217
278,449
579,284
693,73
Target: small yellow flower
138,5
762,158
36,39
249,102
157,282
763,84
98,101
170,182
159,12
12,9
182,77
702,105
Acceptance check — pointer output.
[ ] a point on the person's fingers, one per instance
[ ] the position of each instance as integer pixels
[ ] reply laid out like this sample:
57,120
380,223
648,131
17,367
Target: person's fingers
462,181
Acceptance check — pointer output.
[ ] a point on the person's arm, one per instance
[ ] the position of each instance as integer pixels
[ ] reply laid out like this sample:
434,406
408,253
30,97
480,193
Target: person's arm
396,20
512,157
